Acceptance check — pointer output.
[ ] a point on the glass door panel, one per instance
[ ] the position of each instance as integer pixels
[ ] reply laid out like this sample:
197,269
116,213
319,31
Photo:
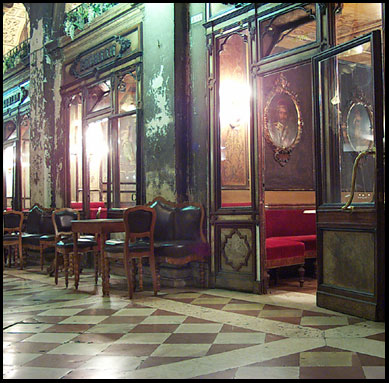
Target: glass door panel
127,160
25,162
234,120
346,111
350,190
97,154
75,149
9,154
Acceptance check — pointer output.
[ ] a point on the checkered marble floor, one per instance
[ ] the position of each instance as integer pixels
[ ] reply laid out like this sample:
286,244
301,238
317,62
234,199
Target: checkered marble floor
57,333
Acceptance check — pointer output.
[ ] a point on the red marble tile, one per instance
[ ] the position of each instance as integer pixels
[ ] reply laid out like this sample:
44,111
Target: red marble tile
163,312
271,338
226,374
220,348
231,328
97,338
197,320
97,312
368,360
59,361
32,347
69,328
130,349
153,361
380,337
123,319
154,328
331,373
292,360
190,338
293,320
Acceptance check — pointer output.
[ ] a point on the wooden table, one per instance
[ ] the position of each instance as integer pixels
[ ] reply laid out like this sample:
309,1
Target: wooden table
102,227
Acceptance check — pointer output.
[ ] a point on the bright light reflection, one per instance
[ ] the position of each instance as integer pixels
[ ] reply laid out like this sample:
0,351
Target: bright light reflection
95,140
234,103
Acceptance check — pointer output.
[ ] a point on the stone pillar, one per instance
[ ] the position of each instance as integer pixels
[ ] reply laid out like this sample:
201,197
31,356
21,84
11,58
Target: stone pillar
46,132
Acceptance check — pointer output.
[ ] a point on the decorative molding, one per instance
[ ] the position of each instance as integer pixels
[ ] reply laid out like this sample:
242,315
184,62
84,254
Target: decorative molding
236,250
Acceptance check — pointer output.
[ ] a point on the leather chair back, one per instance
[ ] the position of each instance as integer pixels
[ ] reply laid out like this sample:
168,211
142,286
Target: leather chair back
139,222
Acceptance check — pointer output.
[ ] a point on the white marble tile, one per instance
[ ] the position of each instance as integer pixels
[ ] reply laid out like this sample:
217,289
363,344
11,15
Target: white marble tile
134,312
84,319
181,350
27,328
61,312
357,330
118,363
164,319
143,338
280,313
362,345
198,328
37,373
267,373
79,348
18,358
54,337
374,372
112,328
323,321
326,359
243,306
240,338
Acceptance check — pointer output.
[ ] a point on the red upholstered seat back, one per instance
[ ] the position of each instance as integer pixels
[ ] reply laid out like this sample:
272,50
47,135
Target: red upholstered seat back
93,208
289,222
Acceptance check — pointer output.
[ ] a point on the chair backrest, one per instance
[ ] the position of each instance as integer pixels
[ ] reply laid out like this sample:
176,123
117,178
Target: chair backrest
12,221
62,220
139,222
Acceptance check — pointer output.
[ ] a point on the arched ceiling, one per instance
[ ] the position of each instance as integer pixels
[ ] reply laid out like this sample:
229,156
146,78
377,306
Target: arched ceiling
16,24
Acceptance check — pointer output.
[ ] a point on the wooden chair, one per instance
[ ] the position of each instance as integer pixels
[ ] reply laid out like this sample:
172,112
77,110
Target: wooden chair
139,223
12,234
64,243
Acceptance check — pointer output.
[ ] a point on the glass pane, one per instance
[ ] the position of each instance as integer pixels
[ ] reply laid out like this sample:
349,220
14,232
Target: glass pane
75,149
25,153
8,167
99,97
356,19
127,160
234,117
289,30
97,153
347,124
127,93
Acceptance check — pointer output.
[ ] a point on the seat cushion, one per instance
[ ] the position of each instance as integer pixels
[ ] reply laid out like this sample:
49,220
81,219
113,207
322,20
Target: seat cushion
10,237
308,240
283,252
47,237
30,239
181,248
33,221
114,246
81,243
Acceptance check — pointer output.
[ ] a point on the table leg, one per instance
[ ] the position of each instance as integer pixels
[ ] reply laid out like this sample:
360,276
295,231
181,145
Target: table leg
104,269
75,261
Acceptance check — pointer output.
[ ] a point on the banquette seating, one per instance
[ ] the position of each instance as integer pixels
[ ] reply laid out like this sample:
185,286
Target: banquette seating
178,236
290,238
12,234
38,233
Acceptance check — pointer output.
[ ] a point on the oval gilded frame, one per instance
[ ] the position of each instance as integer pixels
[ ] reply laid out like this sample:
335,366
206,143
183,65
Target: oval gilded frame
366,117
282,93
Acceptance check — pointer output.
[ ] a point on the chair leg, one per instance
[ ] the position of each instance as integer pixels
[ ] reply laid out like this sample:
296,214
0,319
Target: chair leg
76,265
202,274
66,268
21,254
153,269
41,255
106,274
96,260
301,272
56,267
140,274
128,268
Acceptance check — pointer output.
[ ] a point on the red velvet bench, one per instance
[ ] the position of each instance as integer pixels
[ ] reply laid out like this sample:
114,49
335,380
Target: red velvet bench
94,207
290,238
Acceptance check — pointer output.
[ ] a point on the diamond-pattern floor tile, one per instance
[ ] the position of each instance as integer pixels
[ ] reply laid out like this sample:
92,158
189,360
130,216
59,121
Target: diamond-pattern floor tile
57,333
